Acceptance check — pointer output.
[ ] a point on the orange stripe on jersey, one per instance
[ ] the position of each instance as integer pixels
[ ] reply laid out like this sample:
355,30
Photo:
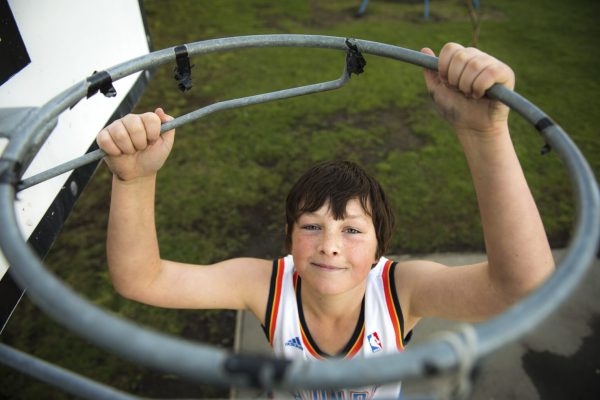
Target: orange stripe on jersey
357,345
389,300
308,346
276,299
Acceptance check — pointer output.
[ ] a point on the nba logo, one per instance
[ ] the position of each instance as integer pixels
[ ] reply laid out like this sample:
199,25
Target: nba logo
374,342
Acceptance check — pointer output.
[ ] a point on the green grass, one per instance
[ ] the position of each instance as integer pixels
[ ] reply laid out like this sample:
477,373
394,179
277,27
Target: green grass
221,193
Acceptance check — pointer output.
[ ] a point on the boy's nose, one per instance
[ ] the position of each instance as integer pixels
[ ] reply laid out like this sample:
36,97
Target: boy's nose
330,244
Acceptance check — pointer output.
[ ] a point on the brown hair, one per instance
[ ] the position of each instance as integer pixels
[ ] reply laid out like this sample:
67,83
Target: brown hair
337,182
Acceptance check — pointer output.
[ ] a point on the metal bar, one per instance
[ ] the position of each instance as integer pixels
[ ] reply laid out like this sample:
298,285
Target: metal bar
35,129
20,151
362,8
61,378
80,316
192,116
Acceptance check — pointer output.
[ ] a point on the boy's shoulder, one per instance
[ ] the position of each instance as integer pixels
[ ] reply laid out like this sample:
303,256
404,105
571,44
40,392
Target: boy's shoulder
414,264
414,272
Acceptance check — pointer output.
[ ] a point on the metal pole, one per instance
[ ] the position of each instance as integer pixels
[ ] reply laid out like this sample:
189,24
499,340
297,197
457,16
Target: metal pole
192,116
66,380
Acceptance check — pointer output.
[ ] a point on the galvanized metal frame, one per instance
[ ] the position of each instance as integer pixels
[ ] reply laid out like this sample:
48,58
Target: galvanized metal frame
200,362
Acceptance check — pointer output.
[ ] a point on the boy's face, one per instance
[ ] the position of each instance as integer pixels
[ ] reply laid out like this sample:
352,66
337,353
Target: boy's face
334,256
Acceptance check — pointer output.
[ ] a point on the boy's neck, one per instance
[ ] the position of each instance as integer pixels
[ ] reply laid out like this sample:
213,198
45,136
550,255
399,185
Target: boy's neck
332,320
333,308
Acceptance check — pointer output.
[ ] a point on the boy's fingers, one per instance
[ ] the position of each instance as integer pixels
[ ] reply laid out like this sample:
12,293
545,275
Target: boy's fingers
446,55
152,126
428,51
484,80
458,63
474,68
431,77
106,143
120,137
164,117
137,131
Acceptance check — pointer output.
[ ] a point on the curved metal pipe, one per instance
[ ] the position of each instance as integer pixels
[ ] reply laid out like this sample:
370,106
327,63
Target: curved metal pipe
199,362
69,381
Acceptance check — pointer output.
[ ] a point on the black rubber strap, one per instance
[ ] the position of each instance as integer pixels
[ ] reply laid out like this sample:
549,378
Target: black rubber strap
543,123
252,366
9,172
546,148
101,81
355,62
183,70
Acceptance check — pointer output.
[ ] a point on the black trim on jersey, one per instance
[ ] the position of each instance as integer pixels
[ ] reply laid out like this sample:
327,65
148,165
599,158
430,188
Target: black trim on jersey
405,337
271,299
355,336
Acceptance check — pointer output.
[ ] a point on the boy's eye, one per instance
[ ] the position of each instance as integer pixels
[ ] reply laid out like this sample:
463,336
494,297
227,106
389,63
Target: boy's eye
310,227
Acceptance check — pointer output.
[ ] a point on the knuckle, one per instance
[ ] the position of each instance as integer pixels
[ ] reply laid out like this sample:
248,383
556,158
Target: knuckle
477,64
152,125
103,138
113,126
151,115
150,119
462,54
130,118
497,73
118,131
452,46
105,142
133,123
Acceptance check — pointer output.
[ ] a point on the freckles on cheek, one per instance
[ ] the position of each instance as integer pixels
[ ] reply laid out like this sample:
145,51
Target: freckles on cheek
362,248
305,244
299,244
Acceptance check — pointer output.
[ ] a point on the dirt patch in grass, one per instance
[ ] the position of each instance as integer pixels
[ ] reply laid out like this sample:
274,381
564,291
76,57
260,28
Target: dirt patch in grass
390,124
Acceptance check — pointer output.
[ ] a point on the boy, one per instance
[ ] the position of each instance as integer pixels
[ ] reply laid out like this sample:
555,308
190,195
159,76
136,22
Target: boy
335,294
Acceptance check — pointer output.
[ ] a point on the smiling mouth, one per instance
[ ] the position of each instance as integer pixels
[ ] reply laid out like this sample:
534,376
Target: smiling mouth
327,267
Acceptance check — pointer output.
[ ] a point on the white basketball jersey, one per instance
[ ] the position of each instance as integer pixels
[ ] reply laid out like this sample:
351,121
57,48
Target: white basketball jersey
380,328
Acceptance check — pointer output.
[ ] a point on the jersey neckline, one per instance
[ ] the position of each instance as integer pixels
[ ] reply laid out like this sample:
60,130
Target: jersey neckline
353,345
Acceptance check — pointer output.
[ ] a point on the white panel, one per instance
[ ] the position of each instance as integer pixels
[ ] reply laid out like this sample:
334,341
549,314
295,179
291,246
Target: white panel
67,40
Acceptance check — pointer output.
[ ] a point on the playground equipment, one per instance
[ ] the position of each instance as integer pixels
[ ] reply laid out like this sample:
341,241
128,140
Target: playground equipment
451,353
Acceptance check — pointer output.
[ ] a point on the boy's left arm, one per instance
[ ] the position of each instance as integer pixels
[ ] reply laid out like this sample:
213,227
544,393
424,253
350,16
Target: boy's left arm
519,256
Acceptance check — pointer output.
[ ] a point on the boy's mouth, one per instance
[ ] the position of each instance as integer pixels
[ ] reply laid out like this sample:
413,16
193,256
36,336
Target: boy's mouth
327,267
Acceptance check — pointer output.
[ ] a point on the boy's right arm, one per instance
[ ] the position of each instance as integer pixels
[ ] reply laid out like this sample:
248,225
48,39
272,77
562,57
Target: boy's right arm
135,152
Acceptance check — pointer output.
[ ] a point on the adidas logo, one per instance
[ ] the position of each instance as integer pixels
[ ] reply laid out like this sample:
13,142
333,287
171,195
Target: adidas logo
295,342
